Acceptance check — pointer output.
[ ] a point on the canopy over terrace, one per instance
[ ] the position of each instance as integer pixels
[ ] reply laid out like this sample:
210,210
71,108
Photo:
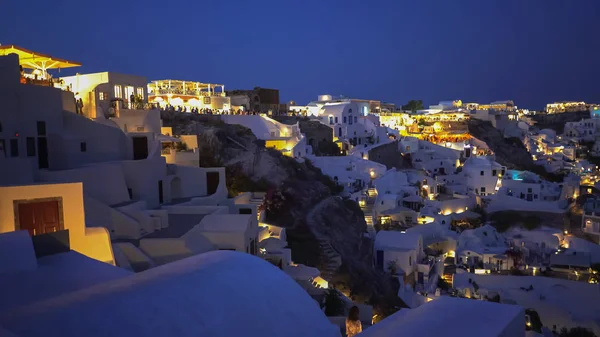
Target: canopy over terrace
184,88
37,61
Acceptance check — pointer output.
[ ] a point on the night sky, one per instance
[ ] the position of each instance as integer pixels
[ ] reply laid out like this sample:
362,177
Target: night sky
530,51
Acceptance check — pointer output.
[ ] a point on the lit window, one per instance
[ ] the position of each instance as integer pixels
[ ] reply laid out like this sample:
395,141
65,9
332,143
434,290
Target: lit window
140,92
118,92
101,96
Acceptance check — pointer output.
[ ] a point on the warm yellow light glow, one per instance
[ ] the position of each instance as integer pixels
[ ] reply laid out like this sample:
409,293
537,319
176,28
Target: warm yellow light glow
362,203
451,253
321,282
566,232
372,174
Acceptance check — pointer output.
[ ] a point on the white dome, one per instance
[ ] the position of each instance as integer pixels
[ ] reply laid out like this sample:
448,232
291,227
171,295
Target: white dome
219,293
323,98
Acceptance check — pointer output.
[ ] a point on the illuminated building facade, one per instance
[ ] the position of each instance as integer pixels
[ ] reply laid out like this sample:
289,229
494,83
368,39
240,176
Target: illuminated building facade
560,107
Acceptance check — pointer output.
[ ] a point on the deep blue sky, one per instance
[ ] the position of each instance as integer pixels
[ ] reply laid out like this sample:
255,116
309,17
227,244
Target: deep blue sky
531,51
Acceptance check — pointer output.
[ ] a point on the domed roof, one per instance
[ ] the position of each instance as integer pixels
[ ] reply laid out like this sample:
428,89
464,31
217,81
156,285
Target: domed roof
221,293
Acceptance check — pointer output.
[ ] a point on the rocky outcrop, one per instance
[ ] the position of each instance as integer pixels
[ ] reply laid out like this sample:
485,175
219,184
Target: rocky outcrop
509,152
557,121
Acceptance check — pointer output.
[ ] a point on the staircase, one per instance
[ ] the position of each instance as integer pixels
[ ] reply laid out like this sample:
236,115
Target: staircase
367,209
334,260
257,199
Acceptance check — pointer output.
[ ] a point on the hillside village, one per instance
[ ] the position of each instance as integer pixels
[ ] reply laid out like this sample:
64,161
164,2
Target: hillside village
140,207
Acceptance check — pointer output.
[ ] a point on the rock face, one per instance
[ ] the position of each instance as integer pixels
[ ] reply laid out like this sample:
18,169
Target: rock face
340,223
509,152
557,121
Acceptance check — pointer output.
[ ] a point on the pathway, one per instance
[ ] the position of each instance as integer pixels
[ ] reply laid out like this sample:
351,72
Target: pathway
333,260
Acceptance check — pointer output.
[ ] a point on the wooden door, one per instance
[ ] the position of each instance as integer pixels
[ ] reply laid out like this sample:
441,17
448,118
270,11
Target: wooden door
39,217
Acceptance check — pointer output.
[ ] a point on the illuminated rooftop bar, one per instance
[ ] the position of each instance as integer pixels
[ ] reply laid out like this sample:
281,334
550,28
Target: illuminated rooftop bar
188,95
36,65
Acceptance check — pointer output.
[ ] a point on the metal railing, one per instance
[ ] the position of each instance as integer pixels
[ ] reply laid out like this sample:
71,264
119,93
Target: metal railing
186,92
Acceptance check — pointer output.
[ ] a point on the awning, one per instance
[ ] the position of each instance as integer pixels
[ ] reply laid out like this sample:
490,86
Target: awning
33,60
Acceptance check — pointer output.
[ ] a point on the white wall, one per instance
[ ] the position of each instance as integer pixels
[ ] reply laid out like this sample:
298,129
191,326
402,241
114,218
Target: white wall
105,182
403,259
142,176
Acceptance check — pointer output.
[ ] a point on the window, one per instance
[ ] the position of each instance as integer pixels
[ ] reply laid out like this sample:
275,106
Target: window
140,92
0,127
483,190
330,120
410,260
41,128
349,111
83,146
118,92
2,147
101,96
529,190
481,173
344,119
30,147
14,147
350,121
336,120
535,196
408,219
493,173
128,92
245,211
355,119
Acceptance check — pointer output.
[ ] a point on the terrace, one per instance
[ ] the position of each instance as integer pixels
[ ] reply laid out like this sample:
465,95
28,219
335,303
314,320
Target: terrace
188,95
35,66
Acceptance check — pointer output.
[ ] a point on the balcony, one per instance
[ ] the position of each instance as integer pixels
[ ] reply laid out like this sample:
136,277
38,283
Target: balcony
155,92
